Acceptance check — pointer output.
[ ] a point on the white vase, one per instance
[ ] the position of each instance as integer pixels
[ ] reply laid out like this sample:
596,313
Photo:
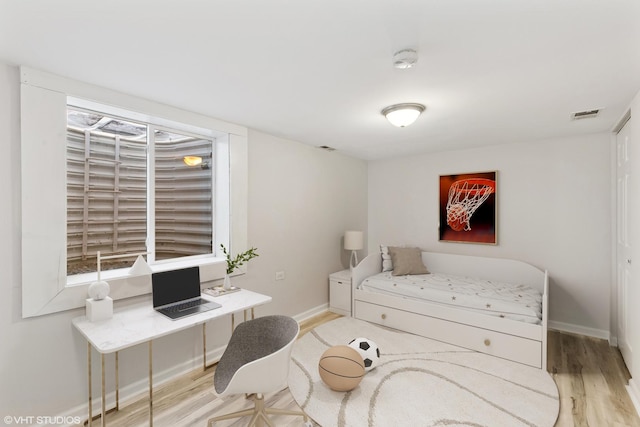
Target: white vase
226,285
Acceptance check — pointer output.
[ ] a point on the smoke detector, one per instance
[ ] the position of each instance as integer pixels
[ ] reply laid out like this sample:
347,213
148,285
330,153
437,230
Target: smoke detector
405,58
585,114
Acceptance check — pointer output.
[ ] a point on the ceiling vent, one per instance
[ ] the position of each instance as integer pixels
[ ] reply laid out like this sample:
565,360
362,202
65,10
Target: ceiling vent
584,114
326,148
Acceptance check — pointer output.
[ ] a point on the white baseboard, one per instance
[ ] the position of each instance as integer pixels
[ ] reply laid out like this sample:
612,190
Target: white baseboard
580,330
634,394
311,313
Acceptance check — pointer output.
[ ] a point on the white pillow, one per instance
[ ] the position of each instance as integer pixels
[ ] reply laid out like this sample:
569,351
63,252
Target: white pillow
387,264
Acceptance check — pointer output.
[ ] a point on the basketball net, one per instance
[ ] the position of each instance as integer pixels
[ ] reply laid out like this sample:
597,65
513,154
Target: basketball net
465,196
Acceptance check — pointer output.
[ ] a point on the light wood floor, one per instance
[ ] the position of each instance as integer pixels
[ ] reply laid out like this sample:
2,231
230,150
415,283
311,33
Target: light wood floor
590,375
591,378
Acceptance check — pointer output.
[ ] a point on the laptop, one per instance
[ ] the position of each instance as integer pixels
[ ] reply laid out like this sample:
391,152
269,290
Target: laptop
176,293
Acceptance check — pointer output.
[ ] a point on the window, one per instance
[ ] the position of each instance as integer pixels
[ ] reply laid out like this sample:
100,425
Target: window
117,205
222,149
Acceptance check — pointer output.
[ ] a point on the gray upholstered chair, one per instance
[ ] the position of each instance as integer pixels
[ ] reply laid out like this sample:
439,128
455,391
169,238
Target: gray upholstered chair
256,360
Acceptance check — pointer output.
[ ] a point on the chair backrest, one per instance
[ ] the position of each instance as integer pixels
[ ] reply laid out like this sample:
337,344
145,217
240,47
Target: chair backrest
257,357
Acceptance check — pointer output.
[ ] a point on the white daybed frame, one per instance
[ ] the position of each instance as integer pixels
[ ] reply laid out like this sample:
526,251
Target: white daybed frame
510,339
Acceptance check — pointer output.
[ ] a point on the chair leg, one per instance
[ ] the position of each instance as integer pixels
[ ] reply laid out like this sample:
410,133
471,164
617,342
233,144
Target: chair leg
258,418
253,422
236,414
286,412
259,414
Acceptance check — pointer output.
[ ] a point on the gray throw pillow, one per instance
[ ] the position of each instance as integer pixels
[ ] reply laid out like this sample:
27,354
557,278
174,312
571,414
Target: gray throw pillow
407,261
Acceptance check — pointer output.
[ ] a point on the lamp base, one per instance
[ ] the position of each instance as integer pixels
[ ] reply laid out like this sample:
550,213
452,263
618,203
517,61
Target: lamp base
354,259
99,309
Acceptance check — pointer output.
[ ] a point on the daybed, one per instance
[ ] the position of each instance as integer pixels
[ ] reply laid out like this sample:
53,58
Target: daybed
517,340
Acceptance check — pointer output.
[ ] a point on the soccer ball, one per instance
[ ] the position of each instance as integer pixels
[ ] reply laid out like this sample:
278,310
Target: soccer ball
368,350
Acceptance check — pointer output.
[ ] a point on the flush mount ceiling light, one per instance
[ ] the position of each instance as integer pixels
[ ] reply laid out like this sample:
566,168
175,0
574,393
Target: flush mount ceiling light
402,115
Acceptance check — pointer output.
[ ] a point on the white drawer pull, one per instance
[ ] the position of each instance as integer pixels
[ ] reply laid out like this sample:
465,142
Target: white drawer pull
384,316
487,342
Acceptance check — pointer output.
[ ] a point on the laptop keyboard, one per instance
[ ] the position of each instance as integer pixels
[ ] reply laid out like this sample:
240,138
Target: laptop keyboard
184,306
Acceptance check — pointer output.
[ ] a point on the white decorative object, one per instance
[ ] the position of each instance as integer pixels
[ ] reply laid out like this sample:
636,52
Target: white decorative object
99,309
226,284
140,267
99,305
98,290
368,350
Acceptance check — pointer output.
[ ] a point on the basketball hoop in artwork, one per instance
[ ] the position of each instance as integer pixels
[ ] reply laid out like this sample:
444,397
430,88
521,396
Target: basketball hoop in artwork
465,196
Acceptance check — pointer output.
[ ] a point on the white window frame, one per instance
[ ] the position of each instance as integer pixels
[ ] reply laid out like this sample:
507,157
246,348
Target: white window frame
152,125
44,98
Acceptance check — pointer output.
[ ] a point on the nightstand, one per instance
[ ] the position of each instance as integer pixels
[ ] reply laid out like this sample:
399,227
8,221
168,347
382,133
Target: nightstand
340,292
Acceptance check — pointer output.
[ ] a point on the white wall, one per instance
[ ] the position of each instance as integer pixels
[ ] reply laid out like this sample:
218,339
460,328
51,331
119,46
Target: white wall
301,200
554,211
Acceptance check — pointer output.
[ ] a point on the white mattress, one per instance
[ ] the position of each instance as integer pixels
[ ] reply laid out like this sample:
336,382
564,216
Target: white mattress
511,301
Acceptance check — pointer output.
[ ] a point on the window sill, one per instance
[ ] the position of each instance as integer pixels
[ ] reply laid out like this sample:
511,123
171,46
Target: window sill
123,273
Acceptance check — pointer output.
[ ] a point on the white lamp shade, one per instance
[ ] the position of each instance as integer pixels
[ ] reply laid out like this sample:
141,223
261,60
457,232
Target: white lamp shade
353,240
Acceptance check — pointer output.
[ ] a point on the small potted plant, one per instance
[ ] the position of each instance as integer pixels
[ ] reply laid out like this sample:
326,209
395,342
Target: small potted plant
233,263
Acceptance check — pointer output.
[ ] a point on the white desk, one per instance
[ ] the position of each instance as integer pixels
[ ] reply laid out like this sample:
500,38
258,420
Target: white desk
140,323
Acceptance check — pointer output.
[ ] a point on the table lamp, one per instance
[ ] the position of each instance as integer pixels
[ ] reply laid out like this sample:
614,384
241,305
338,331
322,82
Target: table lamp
353,241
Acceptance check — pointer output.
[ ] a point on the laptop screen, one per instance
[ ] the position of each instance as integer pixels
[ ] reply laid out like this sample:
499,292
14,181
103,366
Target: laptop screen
175,285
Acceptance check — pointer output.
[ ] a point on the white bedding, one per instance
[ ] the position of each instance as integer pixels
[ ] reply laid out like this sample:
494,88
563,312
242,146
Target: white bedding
511,301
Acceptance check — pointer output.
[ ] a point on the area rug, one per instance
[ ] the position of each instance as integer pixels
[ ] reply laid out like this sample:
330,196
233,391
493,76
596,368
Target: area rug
420,382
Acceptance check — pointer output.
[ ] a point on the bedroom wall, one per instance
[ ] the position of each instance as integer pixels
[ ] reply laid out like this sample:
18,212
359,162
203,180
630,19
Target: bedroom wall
301,199
554,211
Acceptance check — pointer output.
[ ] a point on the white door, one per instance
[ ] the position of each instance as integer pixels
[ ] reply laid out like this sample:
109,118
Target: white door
627,204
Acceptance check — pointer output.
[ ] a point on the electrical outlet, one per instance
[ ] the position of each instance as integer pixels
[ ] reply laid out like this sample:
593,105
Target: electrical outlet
279,275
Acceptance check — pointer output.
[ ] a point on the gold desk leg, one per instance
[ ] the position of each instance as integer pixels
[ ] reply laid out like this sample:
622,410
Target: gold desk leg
89,422
233,322
104,408
253,314
204,346
245,314
150,383
117,385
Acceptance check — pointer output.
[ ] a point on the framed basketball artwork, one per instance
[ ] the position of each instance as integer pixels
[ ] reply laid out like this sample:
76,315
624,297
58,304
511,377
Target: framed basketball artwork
468,208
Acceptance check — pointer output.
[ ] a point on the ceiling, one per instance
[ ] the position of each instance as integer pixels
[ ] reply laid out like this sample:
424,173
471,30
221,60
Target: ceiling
320,71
